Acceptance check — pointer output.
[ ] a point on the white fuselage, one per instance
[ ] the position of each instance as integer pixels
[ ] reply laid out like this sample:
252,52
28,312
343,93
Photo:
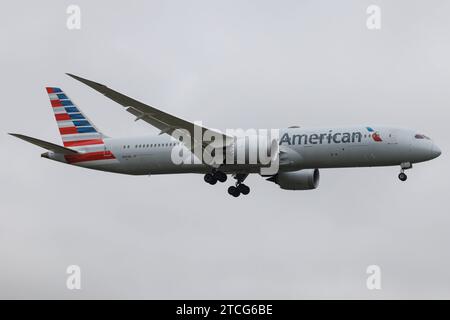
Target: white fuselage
302,148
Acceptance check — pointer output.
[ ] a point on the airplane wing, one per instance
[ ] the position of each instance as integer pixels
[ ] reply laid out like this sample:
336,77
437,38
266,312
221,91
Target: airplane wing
165,122
44,144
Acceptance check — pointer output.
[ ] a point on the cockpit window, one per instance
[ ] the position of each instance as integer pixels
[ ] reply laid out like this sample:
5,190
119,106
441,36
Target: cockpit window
421,136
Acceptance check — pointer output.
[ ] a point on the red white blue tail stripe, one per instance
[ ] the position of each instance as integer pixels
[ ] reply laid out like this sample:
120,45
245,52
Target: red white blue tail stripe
74,127
77,131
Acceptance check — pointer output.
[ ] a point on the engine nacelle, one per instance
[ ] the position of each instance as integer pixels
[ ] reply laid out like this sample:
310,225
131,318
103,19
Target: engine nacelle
305,179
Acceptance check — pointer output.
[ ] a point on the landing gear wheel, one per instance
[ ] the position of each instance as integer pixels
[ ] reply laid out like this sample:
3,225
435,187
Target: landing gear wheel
234,191
209,178
244,189
239,188
402,176
220,176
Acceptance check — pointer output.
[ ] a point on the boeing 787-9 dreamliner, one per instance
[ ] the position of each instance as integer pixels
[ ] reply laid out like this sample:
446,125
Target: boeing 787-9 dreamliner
290,157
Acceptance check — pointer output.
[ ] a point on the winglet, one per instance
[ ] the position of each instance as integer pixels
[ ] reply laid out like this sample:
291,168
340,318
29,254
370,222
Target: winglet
92,84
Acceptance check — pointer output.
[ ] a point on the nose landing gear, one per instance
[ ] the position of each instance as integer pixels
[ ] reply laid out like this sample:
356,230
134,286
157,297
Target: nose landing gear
402,176
403,166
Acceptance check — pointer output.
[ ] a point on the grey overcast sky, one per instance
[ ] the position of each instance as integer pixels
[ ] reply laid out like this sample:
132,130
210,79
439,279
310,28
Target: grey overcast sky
230,64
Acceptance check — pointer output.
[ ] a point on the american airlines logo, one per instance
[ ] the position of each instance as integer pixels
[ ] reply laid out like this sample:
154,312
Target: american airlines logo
375,135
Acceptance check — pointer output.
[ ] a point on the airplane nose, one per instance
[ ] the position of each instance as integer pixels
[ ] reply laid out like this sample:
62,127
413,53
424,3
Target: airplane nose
435,151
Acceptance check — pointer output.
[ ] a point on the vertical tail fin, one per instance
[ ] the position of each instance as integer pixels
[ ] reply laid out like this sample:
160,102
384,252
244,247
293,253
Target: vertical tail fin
75,128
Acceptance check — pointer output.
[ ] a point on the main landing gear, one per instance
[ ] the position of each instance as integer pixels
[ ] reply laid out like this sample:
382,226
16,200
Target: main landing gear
239,188
215,176
403,166
236,190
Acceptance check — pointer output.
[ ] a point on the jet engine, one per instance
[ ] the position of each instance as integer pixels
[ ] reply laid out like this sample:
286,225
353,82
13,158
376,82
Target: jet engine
305,179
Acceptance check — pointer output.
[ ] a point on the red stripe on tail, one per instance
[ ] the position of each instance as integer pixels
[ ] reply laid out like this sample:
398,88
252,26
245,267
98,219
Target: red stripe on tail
56,103
62,117
68,130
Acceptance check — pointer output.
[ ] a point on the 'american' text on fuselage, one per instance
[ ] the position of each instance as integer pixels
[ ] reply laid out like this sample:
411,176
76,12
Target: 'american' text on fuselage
321,138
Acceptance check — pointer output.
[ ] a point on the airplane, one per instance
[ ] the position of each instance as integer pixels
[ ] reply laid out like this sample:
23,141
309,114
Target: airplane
299,151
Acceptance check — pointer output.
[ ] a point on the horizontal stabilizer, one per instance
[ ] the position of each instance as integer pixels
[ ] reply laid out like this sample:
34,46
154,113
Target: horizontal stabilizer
44,144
